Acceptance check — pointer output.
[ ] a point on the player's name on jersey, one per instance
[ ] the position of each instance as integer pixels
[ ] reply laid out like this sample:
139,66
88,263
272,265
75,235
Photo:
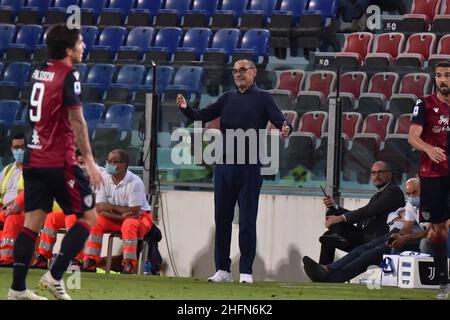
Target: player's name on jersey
43,75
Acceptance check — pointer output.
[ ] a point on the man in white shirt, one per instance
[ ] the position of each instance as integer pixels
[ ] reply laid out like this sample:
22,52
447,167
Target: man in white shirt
122,207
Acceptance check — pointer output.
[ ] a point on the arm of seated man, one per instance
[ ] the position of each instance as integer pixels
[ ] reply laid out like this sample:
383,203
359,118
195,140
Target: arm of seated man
117,212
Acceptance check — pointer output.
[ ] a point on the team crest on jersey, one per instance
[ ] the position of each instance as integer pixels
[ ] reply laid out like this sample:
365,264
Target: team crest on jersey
76,74
436,110
443,120
77,87
88,200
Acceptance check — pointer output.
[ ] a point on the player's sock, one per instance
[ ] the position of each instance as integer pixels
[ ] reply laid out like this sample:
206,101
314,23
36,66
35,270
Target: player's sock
23,253
440,260
72,243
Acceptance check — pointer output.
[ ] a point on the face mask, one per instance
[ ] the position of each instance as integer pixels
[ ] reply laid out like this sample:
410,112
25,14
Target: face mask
18,154
415,201
111,169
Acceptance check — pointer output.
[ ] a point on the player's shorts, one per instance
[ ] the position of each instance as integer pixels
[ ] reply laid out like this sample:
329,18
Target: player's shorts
434,199
69,186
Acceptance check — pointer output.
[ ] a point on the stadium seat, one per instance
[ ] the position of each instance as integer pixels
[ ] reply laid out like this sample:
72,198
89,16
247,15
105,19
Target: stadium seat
56,14
403,123
421,16
33,12
82,69
223,45
188,79
9,10
195,41
381,86
14,78
9,110
314,20
443,52
289,83
98,80
171,14
2,66
200,14
299,152
254,45
7,32
143,15
379,124
282,21
357,46
418,49
167,40
129,77
412,86
351,123
314,122
115,131
89,34
351,85
164,76
93,114
386,49
228,15
90,10
28,37
115,13
318,86
291,117
139,41
257,14
110,40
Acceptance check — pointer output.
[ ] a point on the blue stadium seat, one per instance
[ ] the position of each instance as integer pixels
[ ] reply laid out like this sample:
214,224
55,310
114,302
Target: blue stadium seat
9,9
98,80
57,13
115,13
144,13
166,42
228,15
2,66
255,44
139,41
164,75
28,37
130,76
172,13
6,37
223,45
90,10
324,8
256,16
200,14
115,131
195,42
187,79
8,114
93,114
16,74
33,12
89,34
110,40
281,23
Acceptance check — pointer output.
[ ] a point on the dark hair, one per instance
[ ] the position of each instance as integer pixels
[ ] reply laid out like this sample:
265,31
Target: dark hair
59,38
78,153
442,64
123,155
17,136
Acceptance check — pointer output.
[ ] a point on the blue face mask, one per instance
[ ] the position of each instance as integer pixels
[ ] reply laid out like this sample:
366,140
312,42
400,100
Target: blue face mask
415,201
111,169
18,154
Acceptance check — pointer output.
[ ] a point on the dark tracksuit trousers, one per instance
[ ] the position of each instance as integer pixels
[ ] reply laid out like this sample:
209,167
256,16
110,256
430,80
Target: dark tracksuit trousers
241,183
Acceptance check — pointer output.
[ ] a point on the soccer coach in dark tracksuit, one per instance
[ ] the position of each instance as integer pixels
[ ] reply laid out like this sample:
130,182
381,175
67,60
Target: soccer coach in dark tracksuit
246,108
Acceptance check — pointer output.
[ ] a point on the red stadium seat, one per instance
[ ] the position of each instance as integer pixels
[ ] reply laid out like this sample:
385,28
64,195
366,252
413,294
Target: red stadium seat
352,84
291,117
351,123
289,84
356,47
421,16
403,123
418,49
379,124
313,122
387,46
318,86
443,51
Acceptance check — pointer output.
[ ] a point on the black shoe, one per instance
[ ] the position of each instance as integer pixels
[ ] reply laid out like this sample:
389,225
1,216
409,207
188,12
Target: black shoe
335,241
89,265
315,271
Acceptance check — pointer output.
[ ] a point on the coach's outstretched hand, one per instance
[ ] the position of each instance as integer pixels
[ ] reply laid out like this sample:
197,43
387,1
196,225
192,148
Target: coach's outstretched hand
181,101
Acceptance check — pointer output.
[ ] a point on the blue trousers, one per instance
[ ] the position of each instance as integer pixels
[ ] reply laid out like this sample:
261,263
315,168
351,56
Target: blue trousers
241,183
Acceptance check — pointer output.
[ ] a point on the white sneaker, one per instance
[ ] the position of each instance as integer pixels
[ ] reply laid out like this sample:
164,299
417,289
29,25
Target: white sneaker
24,295
246,278
444,290
221,276
54,286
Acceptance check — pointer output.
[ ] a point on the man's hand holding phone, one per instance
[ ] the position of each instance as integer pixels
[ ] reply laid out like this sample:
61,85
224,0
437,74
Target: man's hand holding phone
327,200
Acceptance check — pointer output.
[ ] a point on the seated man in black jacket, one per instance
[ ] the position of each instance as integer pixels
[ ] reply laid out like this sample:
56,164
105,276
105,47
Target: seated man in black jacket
370,220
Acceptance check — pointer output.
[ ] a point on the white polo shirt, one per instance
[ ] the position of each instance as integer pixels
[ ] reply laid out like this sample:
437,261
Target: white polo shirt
130,192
